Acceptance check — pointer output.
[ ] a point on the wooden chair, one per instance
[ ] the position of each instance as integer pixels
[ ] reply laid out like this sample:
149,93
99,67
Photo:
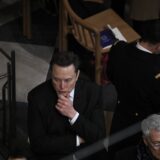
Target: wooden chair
87,33
109,99
88,36
108,116
26,13
27,19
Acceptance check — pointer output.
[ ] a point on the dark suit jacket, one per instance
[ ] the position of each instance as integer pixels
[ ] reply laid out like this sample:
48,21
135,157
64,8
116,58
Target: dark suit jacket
50,133
133,72
136,152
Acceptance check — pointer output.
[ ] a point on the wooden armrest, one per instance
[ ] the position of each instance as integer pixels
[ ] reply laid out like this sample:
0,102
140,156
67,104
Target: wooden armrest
108,115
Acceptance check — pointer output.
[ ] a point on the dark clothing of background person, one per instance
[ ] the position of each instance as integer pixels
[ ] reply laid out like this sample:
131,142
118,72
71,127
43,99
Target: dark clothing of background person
137,152
119,7
142,12
85,9
51,135
133,72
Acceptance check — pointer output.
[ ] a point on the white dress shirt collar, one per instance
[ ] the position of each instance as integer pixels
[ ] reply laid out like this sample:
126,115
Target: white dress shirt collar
71,94
140,47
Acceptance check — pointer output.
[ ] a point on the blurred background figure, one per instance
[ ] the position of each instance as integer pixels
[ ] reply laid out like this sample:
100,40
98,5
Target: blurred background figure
142,12
119,6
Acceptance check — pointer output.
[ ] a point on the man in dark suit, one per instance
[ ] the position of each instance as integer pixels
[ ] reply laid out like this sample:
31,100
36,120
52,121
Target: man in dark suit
134,69
64,114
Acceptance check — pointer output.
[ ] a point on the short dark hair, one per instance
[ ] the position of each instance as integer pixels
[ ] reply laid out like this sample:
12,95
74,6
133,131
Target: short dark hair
65,59
151,31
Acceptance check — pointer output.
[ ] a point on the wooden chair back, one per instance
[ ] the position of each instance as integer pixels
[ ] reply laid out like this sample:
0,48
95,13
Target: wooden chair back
85,34
108,115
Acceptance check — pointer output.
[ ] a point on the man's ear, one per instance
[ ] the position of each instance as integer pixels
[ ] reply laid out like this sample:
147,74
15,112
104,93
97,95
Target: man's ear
78,72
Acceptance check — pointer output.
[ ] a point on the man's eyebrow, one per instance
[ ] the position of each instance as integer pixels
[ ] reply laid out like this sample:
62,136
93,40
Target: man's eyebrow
63,78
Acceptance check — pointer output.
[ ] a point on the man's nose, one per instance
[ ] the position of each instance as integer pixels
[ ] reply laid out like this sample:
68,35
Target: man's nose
62,84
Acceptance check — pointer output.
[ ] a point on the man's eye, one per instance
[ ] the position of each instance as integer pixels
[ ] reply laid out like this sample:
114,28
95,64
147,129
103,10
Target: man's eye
68,80
56,79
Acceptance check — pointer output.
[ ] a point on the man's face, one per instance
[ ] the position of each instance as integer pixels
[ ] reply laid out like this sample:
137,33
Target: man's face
64,79
153,143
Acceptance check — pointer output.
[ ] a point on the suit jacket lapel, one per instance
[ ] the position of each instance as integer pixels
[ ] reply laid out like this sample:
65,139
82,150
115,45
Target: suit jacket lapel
79,97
